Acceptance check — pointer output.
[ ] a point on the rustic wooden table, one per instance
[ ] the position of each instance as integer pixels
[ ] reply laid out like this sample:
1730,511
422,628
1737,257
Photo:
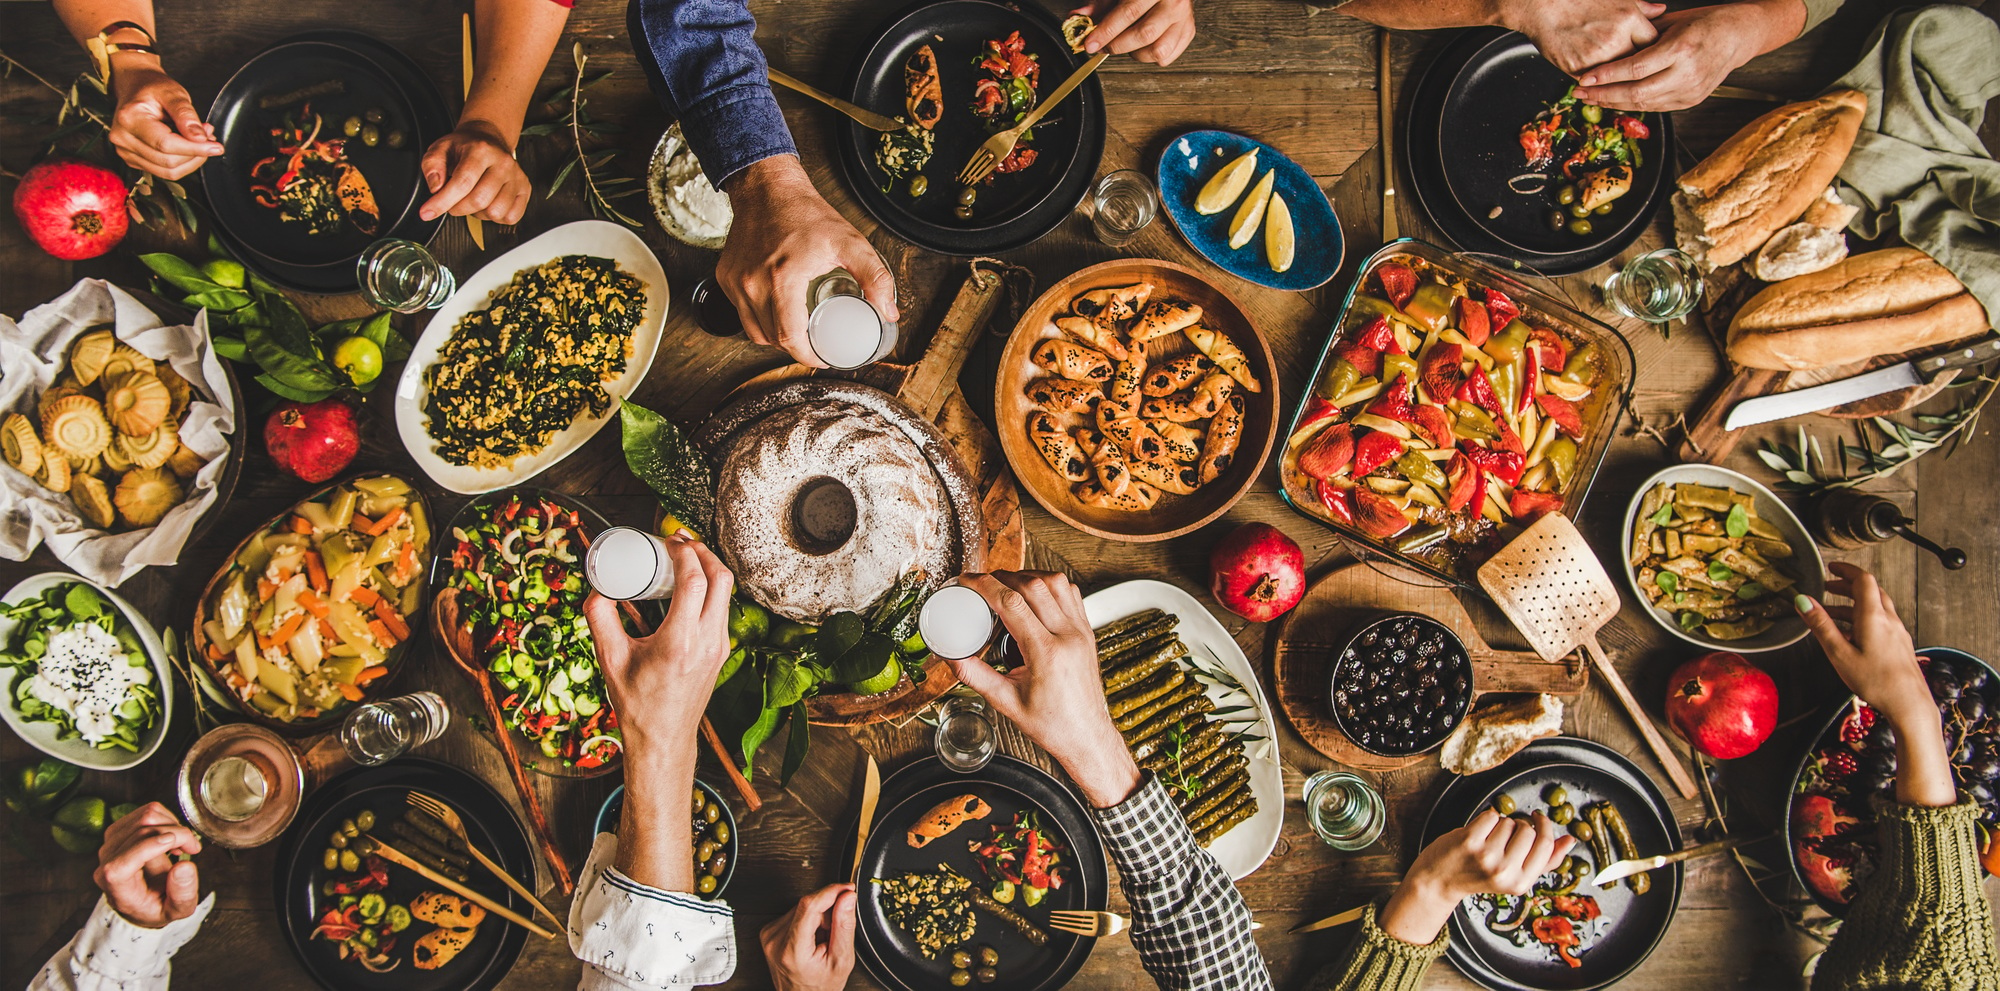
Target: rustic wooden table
1296,75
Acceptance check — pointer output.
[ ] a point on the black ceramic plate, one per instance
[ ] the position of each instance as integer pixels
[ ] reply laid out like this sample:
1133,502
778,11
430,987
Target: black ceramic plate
383,789
1462,126
1013,210
375,76
1007,786
1631,925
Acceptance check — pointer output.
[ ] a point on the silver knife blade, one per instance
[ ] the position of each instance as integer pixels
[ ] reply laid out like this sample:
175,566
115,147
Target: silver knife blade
1799,402
1626,868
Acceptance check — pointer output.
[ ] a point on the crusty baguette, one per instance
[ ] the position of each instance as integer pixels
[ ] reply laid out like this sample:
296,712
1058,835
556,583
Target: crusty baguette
1764,177
1829,212
1882,302
1498,730
1801,249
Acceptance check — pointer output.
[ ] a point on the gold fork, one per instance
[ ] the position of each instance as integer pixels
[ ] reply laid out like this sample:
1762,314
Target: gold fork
1088,923
998,147
448,816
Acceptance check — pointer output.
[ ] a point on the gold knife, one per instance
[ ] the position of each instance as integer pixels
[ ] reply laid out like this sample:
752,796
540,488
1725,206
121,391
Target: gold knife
1626,868
1385,123
871,789
1743,93
866,118
1338,919
395,856
473,226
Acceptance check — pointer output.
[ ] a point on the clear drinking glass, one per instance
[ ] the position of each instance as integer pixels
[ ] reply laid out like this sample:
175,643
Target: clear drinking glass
629,563
234,788
1655,287
1344,810
384,730
403,276
966,739
1122,205
843,329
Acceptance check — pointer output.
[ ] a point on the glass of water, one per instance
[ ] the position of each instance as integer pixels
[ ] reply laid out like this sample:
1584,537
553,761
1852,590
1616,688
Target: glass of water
1655,287
1344,810
966,739
1122,205
384,730
403,276
843,329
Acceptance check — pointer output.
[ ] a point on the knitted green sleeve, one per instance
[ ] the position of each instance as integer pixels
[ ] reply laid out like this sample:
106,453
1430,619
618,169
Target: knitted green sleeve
1921,922
1377,961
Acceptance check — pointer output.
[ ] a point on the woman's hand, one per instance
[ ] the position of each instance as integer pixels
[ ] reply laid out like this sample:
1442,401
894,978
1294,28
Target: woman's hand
136,869
156,128
811,947
1055,697
472,171
1492,854
1697,49
1151,30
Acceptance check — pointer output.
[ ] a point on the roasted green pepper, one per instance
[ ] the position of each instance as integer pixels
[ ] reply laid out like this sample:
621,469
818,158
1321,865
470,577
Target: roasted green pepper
1507,383
1398,364
1561,456
1339,380
1472,423
1431,306
1505,346
1423,539
1582,365
1418,468
1375,306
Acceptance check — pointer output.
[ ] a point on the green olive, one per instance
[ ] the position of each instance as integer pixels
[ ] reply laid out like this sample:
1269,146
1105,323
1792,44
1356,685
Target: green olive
1580,228
1556,795
720,833
351,126
1604,208
1566,195
338,840
331,860
395,139
365,819
989,956
711,812
961,978
1578,210
961,960
1504,805
350,827
700,799
962,212
986,975
705,850
1557,220
350,861
1562,814
919,185
371,135
373,115
1581,830
968,195
326,889
706,884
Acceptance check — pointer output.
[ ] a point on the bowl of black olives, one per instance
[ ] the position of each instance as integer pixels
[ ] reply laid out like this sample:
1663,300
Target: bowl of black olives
714,835
1401,684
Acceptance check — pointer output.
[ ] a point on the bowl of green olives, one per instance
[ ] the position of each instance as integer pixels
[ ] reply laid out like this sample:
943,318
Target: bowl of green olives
714,829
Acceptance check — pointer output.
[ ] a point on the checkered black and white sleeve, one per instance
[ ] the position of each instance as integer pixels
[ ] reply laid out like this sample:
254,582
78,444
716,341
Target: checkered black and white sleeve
1190,926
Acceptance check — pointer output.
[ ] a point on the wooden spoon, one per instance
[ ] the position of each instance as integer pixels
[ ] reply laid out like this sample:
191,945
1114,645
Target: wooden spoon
456,639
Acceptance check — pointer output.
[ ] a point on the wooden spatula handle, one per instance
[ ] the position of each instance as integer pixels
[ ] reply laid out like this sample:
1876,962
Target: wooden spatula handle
1683,781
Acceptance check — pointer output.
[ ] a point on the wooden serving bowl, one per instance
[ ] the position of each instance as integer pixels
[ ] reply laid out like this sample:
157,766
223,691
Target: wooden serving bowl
1172,515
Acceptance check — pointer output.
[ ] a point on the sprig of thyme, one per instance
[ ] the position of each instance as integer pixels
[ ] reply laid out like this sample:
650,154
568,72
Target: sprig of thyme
1807,469
599,192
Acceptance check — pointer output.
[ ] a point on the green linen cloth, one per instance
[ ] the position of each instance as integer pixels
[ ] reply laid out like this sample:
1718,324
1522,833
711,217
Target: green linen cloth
1918,168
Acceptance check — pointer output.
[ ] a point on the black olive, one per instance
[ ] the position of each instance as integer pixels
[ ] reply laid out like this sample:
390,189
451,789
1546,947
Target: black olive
1557,219
717,864
986,975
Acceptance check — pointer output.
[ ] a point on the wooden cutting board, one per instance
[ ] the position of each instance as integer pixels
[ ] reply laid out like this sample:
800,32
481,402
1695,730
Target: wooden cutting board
1310,637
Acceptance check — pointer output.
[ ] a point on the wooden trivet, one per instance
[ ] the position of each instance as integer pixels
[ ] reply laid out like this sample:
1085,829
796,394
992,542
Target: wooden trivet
1310,638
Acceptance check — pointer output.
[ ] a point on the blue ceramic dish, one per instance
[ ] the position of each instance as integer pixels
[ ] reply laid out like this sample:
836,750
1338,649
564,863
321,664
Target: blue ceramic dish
1189,161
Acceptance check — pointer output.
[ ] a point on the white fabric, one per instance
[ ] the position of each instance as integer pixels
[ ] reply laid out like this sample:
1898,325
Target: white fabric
32,353
631,936
111,954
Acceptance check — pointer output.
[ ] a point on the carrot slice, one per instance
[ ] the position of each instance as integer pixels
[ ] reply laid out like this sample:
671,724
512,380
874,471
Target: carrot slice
313,604
369,674
382,634
387,614
265,587
364,595
381,526
361,523
406,564
316,571
301,525
348,692
282,633
327,632
217,653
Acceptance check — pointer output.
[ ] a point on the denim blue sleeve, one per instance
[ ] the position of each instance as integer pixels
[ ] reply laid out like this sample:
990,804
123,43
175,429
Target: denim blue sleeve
708,70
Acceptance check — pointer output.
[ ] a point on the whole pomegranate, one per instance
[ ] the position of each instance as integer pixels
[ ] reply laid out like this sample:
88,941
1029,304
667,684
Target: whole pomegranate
314,441
73,209
1257,572
1722,705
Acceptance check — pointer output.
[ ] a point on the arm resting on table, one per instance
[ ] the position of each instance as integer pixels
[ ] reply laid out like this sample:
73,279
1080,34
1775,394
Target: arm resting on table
1189,924
1377,961
1921,921
631,936
111,954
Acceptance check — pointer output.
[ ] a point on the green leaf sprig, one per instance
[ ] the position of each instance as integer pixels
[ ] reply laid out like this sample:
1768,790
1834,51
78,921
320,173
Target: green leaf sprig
1807,469
600,192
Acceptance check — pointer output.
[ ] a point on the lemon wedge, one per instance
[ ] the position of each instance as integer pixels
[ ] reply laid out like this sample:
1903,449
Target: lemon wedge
1251,213
1225,186
1278,238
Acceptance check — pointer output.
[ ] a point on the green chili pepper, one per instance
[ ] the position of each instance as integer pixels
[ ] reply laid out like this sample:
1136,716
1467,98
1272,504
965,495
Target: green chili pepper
1424,539
1561,455
1505,346
1398,364
1472,423
1582,365
1431,306
1339,380
1418,468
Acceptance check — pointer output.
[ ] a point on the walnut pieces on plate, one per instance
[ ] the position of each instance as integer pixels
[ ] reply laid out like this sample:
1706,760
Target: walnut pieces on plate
108,435
1125,433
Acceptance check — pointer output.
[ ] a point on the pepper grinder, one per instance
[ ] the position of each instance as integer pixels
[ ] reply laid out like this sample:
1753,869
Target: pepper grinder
1846,519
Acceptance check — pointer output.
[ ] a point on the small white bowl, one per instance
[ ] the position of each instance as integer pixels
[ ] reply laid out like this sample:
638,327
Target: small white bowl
1806,565
42,735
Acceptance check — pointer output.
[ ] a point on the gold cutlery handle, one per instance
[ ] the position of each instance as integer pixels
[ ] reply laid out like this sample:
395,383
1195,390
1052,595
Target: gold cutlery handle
864,117
396,856
1075,79
508,879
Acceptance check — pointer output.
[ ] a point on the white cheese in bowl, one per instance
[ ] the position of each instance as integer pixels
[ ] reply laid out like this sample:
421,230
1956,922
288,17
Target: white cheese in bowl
87,674
684,201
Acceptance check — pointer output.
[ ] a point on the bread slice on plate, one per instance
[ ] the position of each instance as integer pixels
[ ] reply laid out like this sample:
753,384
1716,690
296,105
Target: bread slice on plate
1764,177
1498,730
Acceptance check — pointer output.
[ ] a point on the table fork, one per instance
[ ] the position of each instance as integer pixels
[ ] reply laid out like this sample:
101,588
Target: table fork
449,817
998,147
1088,923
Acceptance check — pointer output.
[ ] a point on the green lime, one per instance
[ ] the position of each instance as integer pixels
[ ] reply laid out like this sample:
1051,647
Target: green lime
224,272
748,622
73,841
84,813
360,358
914,646
121,810
883,680
786,633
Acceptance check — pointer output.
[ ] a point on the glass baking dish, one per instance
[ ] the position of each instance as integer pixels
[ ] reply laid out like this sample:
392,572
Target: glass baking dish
1457,563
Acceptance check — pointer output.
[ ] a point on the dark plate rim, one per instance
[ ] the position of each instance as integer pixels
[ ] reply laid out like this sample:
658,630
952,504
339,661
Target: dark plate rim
1250,273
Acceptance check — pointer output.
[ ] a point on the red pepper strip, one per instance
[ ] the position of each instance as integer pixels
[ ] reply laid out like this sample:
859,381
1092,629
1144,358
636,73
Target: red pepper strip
1531,506
1506,466
1534,374
1563,412
1478,390
1377,335
1319,409
1477,506
1500,310
1337,502
1374,449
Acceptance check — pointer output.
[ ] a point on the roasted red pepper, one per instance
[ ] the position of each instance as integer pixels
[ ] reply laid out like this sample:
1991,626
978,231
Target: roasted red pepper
1531,506
1556,931
1632,127
1379,335
1477,389
1555,354
1465,480
1399,282
1440,375
1374,449
1500,310
1473,320
1329,452
1532,372
1316,410
1367,361
1561,410
1394,402
1337,502
1506,466
1433,422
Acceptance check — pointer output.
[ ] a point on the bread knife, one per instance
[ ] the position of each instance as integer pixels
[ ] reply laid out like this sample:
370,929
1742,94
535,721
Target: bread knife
1797,402
871,790
1626,868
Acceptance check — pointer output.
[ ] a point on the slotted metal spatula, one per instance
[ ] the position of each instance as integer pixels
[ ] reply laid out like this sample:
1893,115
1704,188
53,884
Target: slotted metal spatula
1558,595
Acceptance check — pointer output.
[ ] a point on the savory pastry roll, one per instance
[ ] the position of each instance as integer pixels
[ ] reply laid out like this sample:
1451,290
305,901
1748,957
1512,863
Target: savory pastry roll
1139,439
1139,498
1226,355
1164,317
1057,447
1060,395
1176,375
1224,433
1114,304
1167,476
1183,443
1100,334
1178,408
1073,361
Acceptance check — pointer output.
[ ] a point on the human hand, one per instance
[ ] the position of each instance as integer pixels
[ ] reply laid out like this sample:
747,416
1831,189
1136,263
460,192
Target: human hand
136,870
811,947
783,238
1055,696
1579,34
1696,51
1151,30
1877,659
156,128
472,171
660,683
1493,854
